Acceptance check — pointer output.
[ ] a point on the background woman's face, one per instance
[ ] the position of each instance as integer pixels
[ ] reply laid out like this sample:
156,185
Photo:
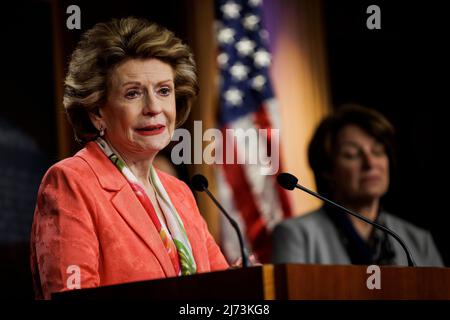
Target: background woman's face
140,110
361,166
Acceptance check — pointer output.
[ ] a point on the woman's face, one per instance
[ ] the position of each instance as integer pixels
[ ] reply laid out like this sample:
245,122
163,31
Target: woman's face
361,167
140,111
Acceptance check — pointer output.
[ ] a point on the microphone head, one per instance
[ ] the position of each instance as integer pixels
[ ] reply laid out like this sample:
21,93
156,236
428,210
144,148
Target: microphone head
199,182
287,180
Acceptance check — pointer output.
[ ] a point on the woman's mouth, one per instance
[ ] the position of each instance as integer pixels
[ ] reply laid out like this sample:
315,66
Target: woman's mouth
151,130
371,179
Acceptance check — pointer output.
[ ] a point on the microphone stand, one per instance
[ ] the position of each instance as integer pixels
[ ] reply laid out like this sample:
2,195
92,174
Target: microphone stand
245,263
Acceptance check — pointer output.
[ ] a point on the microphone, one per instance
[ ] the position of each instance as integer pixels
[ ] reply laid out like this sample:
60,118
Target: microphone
200,183
289,182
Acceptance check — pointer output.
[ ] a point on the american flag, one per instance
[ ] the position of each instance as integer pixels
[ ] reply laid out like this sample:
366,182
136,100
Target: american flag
246,101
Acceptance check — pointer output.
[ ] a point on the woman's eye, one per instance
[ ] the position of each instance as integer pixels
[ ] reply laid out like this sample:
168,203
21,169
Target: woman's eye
349,153
379,150
132,94
165,91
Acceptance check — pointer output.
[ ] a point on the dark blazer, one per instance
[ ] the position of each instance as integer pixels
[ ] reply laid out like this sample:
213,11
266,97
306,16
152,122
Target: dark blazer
313,238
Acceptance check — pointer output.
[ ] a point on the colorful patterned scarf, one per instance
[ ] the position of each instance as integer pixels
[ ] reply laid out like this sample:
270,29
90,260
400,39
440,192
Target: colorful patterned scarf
176,241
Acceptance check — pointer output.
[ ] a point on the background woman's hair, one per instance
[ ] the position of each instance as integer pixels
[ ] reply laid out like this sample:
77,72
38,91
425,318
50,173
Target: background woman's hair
321,151
104,47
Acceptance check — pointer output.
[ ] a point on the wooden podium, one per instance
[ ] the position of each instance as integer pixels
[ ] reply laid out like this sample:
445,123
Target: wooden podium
284,281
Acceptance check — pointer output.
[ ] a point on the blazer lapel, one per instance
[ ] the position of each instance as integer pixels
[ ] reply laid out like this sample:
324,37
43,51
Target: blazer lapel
126,203
134,214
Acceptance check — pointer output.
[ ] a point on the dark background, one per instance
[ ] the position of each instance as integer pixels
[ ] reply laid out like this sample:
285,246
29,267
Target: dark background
398,70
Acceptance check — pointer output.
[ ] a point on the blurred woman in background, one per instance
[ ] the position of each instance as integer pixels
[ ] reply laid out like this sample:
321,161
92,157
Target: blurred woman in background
351,154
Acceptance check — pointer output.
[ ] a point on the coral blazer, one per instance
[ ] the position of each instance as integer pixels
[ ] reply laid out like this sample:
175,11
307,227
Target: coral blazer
90,229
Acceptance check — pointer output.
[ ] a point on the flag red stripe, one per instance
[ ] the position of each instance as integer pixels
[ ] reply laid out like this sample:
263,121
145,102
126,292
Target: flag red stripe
262,120
244,201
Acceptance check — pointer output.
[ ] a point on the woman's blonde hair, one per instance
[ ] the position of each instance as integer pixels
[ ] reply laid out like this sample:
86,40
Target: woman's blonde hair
104,47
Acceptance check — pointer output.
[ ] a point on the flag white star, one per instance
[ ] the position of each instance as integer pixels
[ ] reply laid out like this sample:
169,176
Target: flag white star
222,59
234,96
264,35
250,22
254,3
258,82
231,10
262,58
239,71
245,46
226,35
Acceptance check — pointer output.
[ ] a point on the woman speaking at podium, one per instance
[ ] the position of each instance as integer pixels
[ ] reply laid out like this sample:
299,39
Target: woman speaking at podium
106,215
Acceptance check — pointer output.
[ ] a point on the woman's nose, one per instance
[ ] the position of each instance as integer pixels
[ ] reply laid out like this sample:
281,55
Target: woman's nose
151,105
368,160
